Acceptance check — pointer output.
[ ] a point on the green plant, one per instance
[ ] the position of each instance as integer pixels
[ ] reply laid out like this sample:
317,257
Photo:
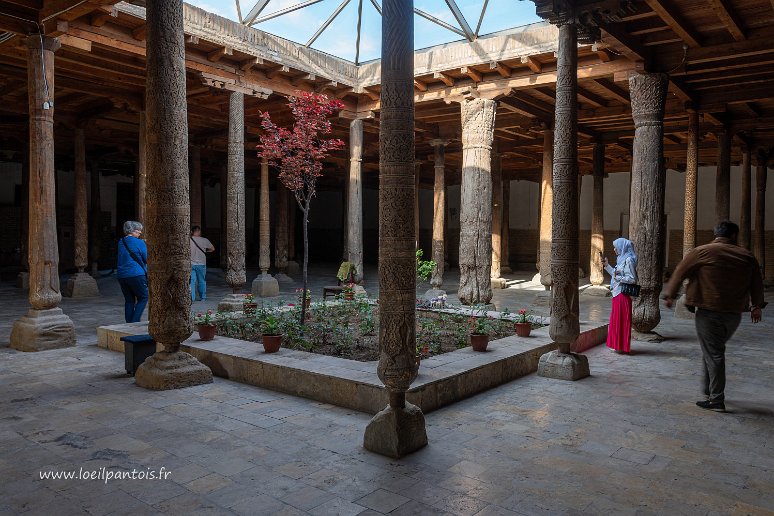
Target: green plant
348,288
208,318
249,298
480,325
425,268
523,316
270,325
300,294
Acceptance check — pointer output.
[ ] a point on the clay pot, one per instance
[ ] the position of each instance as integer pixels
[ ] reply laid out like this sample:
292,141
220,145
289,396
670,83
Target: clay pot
523,329
249,308
478,342
271,343
206,332
349,296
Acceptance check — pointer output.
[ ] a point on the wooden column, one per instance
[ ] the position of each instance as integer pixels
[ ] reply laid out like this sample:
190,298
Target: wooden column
505,238
142,170
759,244
355,198
281,230
196,185
94,226
478,118
399,429
23,278
167,228
723,177
596,270
44,326
744,215
417,170
546,208
265,285
691,182
80,284
439,212
646,209
497,220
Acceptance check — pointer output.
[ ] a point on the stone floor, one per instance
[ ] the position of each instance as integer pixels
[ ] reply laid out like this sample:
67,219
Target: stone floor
628,440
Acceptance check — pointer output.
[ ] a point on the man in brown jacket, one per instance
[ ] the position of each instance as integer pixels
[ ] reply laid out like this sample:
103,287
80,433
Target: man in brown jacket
724,280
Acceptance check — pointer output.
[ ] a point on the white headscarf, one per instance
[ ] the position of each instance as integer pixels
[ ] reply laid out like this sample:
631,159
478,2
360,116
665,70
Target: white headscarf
625,250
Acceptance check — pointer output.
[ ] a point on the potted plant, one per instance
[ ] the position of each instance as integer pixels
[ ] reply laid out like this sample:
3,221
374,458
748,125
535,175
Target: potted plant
270,334
300,296
206,324
348,291
421,351
480,327
249,306
523,323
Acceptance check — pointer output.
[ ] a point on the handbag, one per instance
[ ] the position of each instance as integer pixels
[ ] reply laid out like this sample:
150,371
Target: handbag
630,289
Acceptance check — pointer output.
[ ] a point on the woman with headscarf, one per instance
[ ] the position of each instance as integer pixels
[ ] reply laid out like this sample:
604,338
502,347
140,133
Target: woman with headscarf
619,332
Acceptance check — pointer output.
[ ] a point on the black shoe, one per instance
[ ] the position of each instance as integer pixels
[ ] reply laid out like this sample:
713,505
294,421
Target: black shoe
718,406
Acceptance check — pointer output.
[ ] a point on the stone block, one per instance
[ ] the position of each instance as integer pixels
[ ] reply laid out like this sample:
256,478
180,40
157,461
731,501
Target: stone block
164,371
597,291
563,366
39,330
500,283
265,286
80,285
231,303
23,280
396,432
281,277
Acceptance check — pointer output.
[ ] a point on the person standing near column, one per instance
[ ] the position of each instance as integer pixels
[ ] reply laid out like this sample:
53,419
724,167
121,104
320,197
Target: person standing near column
132,271
619,333
199,246
724,281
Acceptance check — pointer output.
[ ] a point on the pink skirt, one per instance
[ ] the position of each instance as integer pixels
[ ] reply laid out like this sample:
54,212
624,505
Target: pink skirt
619,332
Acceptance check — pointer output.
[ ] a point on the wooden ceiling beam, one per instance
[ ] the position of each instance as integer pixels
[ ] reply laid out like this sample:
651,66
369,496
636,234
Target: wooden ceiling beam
471,72
729,18
630,46
218,53
667,12
591,97
447,79
613,89
504,70
717,101
532,63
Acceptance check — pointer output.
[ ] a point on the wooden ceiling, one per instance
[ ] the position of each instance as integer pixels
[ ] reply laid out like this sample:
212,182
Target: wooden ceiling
719,55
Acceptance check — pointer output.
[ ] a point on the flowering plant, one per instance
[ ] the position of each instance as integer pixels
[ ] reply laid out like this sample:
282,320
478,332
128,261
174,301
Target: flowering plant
422,351
206,319
270,325
249,298
480,325
300,294
348,288
523,316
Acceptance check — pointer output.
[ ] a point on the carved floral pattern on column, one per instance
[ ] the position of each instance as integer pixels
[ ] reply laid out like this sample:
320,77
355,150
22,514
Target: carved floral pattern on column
475,257
235,194
691,182
264,230
646,219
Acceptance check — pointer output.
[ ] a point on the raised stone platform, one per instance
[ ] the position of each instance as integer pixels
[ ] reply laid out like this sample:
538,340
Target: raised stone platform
442,380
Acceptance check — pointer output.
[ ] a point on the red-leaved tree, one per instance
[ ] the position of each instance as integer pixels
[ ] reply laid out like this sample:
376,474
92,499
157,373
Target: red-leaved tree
298,152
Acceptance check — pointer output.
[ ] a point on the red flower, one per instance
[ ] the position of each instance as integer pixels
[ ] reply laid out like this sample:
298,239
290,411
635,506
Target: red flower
291,304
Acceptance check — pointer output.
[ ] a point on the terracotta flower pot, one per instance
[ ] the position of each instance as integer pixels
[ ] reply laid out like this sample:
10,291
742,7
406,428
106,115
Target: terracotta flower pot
349,296
206,331
479,342
271,343
523,329
249,308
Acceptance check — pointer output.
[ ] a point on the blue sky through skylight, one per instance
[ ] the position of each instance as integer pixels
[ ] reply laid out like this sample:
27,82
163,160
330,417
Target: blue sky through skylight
339,38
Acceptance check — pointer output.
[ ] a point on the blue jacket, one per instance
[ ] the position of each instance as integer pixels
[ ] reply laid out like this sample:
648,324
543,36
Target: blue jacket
128,266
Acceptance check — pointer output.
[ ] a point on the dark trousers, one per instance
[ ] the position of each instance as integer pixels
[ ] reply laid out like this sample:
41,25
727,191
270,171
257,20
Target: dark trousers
714,329
135,290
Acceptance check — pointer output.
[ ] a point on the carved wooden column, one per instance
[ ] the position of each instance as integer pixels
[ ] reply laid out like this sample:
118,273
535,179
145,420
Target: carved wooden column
744,215
44,326
417,171
167,228
399,429
235,205
142,170
646,208
478,119
355,198
759,244
565,326
264,285
23,278
439,218
691,183
497,220
596,270
80,284
196,186
546,208
505,237
723,177
94,226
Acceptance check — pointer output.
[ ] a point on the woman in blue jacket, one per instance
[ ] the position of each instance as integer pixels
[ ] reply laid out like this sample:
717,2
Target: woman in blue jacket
132,271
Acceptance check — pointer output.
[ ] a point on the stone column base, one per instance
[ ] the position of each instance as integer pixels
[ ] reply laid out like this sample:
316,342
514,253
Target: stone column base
681,312
40,330
80,285
281,277
23,280
265,286
433,293
396,432
294,269
499,283
164,371
650,336
232,303
598,291
563,366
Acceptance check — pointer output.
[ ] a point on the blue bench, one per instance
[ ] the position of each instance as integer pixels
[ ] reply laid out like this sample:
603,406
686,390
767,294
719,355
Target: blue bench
136,349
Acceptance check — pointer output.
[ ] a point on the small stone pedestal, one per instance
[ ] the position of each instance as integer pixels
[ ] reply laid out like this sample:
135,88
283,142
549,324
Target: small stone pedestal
563,366
396,432
232,303
681,311
650,336
597,291
80,284
40,330
281,277
265,286
499,283
23,280
165,370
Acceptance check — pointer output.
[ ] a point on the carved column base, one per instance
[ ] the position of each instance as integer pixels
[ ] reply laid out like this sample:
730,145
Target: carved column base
281,277
433,293
504,269
80,284
499,283
681,311
563,366
232,303
650,336
164,371
265,286
40,330
23,280
294,269
396,432
597,291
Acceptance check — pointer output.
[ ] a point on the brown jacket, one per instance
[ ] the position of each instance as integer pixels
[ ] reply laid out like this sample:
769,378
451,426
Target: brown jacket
722,277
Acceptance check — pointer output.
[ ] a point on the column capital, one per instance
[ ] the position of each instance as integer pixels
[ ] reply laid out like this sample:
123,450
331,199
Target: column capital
648,97
44,42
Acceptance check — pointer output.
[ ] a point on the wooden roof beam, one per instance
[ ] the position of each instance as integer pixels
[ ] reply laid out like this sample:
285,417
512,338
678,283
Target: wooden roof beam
249,63
591,98
139,32
472,73
309,77
729,18
532,63
218,53
616,91
668,13
271,74
447,79
420,85
629,45
504,70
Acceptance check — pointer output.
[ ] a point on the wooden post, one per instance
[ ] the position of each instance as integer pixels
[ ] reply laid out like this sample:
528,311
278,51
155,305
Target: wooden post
142,170
23,278
505,237
744,215
168,205
44,326
417,170
759,244
596,271
546,208
355,199
439,213
281,233
691,182
265,285
478,118
497,220
196,185
94,227
723,177
399,429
